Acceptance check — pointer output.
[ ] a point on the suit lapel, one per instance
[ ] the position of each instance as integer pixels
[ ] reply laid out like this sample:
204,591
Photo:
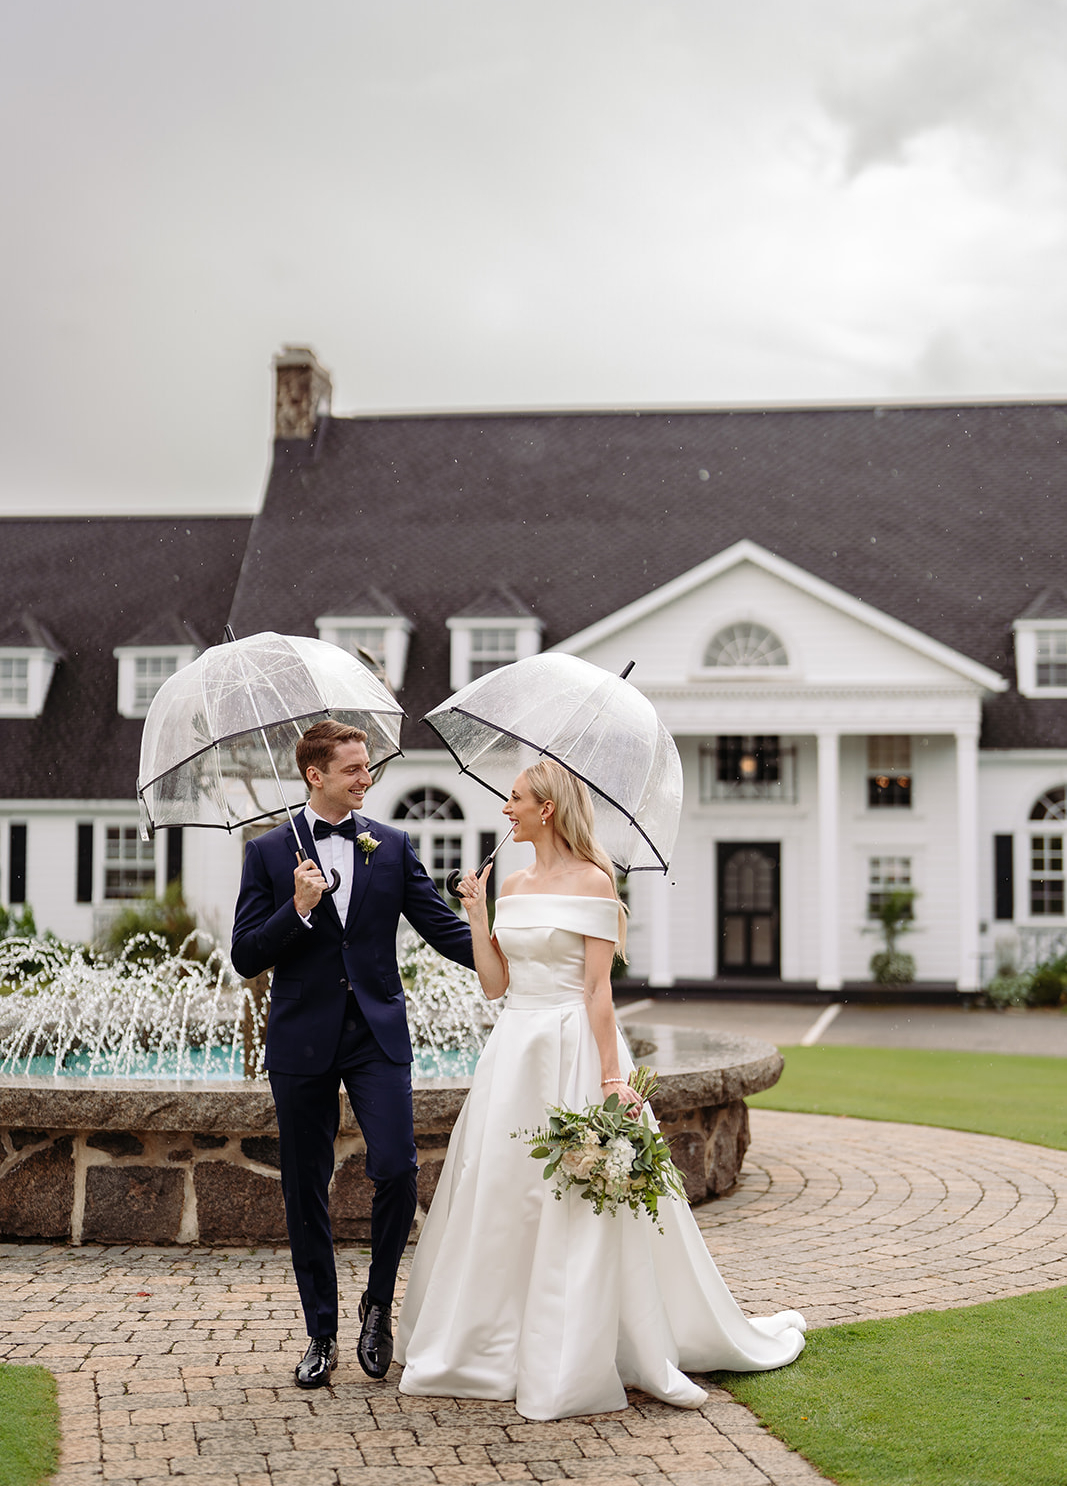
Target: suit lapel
362,870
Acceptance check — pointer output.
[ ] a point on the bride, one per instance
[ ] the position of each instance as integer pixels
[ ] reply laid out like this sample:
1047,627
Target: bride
514,1295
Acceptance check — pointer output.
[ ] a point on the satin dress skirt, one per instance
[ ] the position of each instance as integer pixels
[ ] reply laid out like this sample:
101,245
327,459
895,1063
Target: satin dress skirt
515,1295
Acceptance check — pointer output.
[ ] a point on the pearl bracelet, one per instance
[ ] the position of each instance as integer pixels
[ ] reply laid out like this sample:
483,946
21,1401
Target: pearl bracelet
604,1081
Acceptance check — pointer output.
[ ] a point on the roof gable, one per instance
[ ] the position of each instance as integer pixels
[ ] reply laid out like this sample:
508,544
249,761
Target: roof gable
933,657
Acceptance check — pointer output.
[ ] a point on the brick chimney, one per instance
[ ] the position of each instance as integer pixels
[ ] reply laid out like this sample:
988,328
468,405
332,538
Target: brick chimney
302,392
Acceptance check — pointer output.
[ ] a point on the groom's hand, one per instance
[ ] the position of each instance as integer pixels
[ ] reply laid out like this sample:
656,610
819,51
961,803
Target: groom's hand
308,887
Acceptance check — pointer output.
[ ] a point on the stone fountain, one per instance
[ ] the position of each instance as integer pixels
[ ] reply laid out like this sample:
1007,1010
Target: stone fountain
193,1160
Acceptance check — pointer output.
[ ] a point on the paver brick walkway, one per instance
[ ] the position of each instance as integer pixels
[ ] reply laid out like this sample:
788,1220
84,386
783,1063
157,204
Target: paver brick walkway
178,1362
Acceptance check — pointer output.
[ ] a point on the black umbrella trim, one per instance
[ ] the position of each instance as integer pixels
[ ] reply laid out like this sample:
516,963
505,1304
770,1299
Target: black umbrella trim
547,753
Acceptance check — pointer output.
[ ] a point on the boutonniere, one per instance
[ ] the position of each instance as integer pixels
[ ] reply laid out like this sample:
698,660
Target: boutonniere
366,843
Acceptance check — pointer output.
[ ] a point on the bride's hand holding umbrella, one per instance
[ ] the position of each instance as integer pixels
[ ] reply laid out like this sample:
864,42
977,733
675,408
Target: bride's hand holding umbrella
471,890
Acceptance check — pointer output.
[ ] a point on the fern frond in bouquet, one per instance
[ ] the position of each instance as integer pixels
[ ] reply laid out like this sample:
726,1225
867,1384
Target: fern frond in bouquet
616,1160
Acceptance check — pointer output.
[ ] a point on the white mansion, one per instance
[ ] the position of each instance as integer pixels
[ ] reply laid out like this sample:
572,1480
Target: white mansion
851,620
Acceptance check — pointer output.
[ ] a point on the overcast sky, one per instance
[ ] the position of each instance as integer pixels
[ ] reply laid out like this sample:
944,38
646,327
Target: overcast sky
509,204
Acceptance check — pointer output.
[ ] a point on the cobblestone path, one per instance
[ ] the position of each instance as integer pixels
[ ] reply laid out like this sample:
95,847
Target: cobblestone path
178,1362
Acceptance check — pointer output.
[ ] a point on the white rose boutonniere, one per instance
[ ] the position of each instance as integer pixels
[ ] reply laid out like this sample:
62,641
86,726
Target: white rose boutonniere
366,843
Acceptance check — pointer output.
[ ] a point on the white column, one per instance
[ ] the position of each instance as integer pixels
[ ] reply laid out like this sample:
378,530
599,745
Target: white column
829,976
660,974
967,856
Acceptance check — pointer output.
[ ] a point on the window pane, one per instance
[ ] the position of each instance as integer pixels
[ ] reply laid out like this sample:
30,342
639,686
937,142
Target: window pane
746,644
130,870
427,804
446,855
1051,657
149,674
1046,896
498,642
14,681
886,875
889,791
370,638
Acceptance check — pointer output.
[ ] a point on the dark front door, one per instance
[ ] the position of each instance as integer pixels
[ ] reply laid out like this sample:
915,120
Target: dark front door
749,941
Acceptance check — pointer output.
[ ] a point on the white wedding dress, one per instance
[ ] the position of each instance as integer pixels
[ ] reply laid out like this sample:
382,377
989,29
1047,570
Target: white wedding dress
514,1295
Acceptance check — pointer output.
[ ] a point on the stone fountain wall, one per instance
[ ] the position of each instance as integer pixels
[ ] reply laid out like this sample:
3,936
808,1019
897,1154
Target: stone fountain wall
113,1161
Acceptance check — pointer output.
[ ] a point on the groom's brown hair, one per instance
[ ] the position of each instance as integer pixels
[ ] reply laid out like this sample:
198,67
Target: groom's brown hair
321,741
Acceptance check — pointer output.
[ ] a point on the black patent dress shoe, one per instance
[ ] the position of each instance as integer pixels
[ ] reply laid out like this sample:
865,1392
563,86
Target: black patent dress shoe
318,1362
375,1349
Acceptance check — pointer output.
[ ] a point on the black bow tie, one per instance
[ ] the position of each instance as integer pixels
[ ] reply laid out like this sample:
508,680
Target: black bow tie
347,828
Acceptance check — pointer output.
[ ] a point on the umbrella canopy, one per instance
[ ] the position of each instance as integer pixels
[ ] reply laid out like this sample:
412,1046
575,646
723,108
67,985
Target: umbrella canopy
596,725
218,741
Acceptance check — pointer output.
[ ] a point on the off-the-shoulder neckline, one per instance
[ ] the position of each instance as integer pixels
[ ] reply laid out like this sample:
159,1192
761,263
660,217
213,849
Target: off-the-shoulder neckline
573,897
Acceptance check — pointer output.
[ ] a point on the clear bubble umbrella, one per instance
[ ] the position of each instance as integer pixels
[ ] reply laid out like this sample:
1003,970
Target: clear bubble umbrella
219,738
598,726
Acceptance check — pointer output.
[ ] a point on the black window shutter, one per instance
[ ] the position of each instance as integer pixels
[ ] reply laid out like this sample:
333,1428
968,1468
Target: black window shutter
1003,877
85,862
17,859
174,854
487,844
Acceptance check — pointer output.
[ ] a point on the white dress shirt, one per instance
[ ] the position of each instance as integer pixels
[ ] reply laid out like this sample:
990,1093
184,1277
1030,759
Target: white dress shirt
334,852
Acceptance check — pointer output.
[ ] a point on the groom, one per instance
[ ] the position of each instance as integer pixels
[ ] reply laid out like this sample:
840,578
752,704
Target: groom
337,1015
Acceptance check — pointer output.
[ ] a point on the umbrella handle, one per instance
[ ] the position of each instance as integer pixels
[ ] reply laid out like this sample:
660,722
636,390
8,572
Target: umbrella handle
455,877
327,892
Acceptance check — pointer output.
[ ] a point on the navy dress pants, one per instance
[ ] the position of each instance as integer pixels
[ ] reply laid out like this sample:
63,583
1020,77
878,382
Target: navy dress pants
308,1111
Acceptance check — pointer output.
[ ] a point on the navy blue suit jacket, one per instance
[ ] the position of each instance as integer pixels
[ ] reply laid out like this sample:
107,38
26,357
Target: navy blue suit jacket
313,967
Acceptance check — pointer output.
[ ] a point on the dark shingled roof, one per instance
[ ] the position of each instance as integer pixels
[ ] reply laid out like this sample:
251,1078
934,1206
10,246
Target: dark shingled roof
94,583
950,518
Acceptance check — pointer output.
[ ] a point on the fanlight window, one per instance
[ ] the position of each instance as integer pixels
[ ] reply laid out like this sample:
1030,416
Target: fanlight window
1052,805
427,804
746,644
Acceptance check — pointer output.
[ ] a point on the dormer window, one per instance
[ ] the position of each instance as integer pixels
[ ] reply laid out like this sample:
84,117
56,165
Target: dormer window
372,628
28,658
150,658
1041,646
492,632
143,670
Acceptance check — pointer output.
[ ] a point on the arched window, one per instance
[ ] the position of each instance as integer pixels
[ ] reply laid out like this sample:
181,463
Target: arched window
1046,855
1052,805
426,814
427,804
746,644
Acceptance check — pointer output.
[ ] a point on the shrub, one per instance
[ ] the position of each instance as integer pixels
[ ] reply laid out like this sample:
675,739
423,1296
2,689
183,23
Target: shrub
1045,985
17,925
1048,983
153,928
891,968
894,917
1007,989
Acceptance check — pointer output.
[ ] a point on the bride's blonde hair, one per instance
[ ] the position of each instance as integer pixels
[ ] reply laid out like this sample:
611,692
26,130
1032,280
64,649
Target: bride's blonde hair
575,822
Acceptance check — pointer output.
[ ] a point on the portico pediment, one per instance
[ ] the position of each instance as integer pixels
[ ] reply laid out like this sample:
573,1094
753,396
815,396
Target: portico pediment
753,633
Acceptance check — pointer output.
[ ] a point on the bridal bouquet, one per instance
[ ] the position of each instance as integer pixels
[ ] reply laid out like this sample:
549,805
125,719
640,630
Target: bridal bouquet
617,1161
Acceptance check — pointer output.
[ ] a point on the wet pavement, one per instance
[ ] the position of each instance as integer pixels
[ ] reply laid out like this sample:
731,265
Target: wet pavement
787,1024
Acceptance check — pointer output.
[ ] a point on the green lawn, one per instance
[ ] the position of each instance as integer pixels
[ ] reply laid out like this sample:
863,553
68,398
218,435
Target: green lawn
1022,1098
29,1425
971,1397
